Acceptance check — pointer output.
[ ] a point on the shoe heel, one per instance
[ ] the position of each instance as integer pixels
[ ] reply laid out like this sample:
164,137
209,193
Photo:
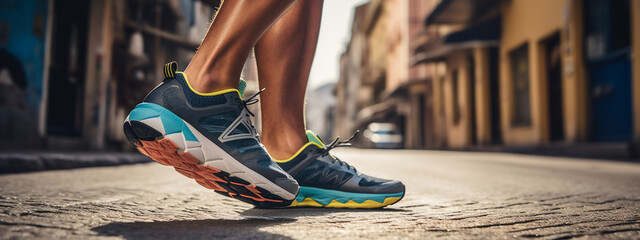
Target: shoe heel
130,134
150,121
135,131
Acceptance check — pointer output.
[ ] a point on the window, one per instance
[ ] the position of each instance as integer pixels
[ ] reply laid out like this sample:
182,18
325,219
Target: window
607,27
519,59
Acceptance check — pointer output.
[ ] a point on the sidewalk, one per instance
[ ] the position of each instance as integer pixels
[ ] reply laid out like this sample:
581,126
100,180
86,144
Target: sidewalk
38,161
605,150
449,195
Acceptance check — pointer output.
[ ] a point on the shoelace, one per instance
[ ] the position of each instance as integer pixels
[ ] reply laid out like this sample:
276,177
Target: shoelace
250,101
337,143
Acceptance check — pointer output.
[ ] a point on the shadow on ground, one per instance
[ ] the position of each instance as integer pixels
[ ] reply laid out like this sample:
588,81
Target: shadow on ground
249,227
194,229
309,211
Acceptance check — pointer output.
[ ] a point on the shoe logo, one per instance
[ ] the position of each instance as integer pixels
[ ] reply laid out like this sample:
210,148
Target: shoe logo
241,128
336,178
326,175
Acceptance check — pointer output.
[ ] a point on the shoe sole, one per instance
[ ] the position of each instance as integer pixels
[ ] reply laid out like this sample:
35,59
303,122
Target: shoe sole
170,141
317,197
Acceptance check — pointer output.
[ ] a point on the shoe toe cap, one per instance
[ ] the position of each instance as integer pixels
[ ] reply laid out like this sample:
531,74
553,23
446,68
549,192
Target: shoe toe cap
391,187
288,184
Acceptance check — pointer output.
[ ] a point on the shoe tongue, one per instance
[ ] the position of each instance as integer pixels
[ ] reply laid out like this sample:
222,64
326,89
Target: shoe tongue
242,86
314,138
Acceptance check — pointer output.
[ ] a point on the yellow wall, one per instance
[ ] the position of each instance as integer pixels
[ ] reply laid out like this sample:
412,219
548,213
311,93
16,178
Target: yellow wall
458,134
482,101
397,42
532,22
574,78
635,26
377,48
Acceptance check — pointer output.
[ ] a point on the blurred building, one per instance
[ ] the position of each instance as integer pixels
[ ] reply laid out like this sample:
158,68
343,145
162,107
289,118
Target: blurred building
320,110
376,82
352,92
460,52
475,73
71,70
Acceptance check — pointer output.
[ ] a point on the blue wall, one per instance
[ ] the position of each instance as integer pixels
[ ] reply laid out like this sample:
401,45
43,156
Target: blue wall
26,41
22,48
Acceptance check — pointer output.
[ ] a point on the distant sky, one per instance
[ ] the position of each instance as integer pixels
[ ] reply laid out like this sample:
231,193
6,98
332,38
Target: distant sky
335,32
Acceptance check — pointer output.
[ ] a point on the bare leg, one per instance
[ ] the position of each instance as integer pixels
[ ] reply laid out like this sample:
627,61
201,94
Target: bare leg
284,56
237,28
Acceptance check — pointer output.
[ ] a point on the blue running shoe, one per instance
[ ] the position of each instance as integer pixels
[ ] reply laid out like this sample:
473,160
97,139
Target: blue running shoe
208,137
326,181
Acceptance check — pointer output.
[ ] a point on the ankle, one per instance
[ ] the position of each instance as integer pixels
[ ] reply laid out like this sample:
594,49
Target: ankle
284,146
203,80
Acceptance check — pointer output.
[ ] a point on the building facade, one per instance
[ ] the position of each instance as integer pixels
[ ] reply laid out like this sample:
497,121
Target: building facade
73,69
554,72
375,72
500,73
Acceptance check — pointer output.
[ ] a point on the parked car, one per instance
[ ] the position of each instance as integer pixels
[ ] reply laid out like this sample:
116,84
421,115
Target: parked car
383,135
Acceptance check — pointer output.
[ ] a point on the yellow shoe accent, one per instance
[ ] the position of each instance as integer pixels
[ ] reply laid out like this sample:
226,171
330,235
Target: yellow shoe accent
298,152
365,204
170,69
313,140
308,202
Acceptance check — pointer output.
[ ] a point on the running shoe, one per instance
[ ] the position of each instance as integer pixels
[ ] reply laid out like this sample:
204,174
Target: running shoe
210,138
326,181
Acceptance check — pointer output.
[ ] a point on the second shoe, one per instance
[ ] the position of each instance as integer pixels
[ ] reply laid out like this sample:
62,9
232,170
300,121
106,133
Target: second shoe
327,181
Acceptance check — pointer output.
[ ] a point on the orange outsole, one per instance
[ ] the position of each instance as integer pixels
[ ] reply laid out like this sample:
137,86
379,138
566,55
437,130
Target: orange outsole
165,152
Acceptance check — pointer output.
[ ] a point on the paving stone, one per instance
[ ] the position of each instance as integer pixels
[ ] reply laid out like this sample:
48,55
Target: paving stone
449,195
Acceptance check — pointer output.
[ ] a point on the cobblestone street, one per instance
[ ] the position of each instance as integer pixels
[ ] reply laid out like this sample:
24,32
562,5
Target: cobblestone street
449,194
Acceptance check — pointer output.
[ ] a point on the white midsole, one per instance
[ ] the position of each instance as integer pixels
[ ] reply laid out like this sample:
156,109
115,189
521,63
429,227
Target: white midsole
211,155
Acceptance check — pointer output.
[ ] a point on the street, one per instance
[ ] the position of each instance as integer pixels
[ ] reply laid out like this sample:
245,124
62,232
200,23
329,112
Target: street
449,194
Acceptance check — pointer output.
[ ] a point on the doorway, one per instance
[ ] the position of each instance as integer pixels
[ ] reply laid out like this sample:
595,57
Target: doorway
67,70
553,69
471,72
494,96
607,53
422,121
